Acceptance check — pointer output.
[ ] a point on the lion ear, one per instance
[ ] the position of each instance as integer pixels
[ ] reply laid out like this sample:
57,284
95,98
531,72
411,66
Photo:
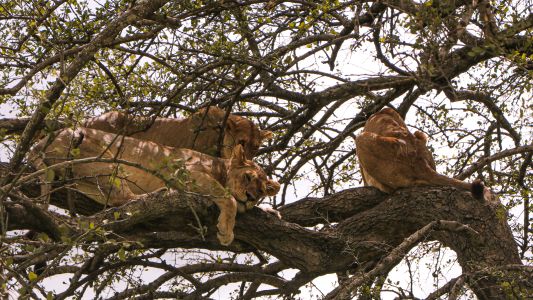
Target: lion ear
266,135
237,157
216,113
231,124
272,187
421,136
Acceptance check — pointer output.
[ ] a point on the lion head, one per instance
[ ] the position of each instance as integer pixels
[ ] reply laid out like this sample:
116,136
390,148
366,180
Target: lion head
387,122
247,181
237,131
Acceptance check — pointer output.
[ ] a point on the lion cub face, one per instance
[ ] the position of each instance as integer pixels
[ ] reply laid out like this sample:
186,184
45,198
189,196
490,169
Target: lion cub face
247,181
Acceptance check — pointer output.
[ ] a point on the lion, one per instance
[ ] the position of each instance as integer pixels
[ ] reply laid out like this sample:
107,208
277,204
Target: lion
234,184
199,132
391,157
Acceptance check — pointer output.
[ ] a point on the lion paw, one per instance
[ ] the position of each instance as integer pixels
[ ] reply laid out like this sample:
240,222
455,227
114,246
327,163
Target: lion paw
161,191
225,239
271,211
249,205
224,234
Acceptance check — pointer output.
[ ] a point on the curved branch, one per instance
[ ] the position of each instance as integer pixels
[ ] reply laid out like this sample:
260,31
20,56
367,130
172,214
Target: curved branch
381,56
490,103
486,160
395,256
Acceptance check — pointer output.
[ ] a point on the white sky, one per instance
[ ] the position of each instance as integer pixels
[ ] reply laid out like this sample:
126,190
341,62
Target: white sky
351,62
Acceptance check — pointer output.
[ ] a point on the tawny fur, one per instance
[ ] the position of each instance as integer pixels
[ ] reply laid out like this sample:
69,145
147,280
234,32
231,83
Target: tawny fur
233,184
391,157
199,132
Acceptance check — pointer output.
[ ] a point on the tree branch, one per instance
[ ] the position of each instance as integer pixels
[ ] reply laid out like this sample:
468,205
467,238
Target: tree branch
486,160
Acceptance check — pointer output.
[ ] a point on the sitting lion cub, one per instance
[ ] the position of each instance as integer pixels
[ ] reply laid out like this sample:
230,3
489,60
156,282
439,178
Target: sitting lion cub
391,157
233,184
199,132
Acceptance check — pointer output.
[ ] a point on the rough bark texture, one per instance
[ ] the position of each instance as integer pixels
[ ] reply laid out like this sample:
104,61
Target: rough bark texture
365,225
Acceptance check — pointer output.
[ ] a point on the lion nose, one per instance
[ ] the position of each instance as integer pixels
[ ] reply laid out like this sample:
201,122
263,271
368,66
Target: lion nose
250,197
272,187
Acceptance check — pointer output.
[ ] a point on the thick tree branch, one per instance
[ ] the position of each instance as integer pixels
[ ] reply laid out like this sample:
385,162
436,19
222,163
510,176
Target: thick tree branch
367,229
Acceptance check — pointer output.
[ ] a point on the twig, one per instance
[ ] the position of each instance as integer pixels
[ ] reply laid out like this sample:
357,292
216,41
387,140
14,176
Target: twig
395,256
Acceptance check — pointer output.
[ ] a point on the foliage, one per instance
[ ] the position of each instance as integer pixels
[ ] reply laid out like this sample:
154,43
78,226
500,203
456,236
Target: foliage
311,71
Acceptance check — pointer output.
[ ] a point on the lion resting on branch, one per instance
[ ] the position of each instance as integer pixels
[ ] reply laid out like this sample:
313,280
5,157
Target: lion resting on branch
391,157
124,168
199,132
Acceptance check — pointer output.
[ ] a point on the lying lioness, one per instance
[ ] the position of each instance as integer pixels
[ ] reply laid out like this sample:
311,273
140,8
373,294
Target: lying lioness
199,132
391,157
233,184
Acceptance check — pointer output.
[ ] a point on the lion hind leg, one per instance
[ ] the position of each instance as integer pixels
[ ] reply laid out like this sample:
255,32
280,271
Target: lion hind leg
105,183
107,194
91,190
121,194
371,181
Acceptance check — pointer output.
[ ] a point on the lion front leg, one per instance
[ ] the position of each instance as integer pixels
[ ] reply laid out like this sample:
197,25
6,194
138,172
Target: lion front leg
205,184
226,219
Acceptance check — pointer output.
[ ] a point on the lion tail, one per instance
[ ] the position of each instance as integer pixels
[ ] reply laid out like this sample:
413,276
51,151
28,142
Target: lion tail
477,189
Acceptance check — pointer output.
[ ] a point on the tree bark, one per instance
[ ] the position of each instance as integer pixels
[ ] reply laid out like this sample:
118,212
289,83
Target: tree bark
362,225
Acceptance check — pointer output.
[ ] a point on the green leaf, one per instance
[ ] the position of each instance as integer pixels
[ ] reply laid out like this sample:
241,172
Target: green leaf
115,182
43,237
121,254
32,276
75,152
49,175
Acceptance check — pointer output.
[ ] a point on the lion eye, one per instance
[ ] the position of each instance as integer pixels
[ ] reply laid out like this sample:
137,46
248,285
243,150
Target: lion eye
247,177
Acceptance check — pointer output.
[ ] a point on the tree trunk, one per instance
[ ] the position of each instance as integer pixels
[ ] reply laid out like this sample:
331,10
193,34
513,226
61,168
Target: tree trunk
366,226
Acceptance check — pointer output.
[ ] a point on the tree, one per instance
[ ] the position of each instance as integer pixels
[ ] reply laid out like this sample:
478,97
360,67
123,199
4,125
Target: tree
311,71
